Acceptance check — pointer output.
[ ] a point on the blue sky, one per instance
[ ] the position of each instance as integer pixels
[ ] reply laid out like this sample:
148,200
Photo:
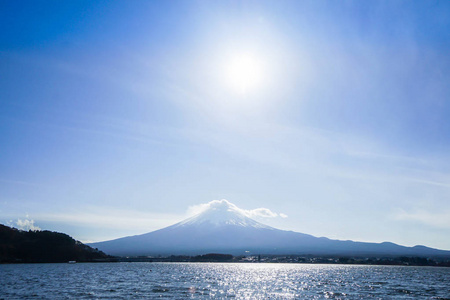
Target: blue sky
119,118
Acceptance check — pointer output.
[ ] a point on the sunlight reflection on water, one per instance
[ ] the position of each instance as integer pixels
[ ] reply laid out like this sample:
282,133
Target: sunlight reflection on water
214,280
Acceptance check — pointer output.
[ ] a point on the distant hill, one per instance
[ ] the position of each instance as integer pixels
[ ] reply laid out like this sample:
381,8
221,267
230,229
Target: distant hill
18,246
224,229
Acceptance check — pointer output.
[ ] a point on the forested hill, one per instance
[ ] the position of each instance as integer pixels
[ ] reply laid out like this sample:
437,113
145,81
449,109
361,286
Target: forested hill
18,246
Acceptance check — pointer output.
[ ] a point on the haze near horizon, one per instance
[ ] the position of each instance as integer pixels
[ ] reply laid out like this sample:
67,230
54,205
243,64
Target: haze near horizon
327,118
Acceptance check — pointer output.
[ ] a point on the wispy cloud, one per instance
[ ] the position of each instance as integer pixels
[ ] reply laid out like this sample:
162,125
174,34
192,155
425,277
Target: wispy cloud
439,219
27,224
112,219
17,182
251,213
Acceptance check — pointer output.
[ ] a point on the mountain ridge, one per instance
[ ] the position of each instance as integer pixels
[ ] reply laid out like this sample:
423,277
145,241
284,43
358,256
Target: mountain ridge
224,228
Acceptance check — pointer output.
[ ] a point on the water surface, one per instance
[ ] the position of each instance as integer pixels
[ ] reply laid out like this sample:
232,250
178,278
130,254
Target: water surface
215,280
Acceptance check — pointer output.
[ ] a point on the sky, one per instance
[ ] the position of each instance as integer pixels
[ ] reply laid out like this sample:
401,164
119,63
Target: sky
329,118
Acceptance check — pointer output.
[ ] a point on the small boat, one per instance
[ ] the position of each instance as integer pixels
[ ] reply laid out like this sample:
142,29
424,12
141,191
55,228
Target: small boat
72,262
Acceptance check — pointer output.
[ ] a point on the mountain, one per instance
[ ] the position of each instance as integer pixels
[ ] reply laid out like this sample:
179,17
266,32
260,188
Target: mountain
43,247
224,228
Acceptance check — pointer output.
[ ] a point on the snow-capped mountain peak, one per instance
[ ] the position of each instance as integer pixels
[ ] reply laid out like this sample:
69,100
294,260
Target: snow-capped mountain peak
222,212
222,227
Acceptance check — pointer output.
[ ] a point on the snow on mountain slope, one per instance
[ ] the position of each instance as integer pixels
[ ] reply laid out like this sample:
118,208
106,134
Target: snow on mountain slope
222,213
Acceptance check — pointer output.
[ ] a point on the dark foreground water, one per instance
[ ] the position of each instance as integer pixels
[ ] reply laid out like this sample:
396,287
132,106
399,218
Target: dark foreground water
214,280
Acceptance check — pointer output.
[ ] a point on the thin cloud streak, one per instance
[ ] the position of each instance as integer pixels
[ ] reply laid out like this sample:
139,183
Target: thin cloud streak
438,220
112,219
19,182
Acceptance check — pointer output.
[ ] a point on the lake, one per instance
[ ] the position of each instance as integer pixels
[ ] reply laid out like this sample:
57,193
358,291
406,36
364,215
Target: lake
221,280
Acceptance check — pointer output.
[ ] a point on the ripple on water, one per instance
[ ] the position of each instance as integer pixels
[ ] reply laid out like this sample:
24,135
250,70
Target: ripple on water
204,280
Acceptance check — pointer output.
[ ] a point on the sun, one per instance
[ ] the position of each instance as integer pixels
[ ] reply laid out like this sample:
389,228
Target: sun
244,72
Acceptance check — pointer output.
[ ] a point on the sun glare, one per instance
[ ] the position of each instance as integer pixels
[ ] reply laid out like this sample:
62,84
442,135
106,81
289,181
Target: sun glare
244,72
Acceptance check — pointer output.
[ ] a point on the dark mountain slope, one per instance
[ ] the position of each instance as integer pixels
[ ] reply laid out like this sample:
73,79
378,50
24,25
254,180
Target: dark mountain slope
43,247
